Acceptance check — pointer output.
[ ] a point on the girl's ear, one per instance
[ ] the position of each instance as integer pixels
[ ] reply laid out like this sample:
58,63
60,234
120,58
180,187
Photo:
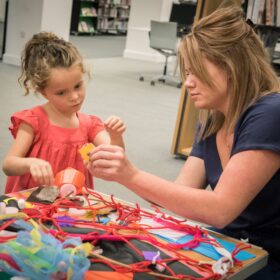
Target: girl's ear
42,92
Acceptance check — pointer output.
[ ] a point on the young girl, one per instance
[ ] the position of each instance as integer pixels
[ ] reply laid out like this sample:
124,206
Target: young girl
47,137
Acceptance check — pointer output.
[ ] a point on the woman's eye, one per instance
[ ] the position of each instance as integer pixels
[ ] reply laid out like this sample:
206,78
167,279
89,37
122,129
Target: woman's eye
60,93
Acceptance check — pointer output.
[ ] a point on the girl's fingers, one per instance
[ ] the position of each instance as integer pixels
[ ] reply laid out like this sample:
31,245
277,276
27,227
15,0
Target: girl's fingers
42,174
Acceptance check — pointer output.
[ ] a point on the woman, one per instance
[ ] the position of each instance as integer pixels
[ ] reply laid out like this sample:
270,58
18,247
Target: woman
237,149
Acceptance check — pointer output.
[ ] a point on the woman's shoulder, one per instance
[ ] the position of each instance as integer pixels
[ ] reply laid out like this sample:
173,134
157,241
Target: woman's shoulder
271,100
267,105
257,128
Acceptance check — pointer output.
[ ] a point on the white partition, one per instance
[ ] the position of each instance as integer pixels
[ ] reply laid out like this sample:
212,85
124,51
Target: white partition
141,14
26,17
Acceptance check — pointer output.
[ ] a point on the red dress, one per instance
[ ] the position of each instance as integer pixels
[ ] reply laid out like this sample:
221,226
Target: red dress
57,145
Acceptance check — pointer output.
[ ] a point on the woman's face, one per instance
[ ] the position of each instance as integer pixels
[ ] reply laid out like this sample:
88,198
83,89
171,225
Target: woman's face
204,96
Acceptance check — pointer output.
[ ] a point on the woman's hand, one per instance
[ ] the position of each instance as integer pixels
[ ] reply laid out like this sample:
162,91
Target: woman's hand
41,172
110,163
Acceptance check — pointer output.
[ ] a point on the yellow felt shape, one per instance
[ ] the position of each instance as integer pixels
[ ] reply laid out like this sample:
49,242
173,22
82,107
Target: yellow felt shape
85,150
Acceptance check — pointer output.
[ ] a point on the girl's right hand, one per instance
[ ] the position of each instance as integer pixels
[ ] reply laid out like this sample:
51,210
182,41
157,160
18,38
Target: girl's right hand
41,172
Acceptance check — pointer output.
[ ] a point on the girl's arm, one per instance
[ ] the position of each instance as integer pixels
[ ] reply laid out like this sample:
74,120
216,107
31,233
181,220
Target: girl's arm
16,164
243,178
113,134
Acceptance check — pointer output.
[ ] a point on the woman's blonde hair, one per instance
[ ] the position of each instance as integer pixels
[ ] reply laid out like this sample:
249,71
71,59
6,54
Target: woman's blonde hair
225,39
43,52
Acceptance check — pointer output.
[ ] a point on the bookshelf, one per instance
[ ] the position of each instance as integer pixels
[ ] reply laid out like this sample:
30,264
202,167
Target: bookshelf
113,16
84,17
90,17
265,14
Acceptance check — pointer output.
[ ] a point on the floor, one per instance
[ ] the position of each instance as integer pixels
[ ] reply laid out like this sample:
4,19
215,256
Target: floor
148,111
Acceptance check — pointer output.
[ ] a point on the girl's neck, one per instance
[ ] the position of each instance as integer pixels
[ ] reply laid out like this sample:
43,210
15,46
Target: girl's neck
61,119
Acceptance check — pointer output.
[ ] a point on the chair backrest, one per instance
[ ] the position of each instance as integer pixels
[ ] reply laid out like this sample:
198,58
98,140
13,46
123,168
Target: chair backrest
163,35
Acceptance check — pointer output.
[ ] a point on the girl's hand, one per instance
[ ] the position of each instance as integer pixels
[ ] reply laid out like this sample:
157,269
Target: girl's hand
41,172
115,127
110,163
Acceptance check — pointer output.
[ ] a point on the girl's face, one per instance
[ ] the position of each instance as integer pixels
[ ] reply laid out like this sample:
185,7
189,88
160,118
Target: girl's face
204,96
65,90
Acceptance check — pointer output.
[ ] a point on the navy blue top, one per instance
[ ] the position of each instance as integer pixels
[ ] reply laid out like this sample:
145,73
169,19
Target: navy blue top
257,129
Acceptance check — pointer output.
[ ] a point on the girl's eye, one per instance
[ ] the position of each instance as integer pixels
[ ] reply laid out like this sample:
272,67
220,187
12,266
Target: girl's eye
60,93
78,86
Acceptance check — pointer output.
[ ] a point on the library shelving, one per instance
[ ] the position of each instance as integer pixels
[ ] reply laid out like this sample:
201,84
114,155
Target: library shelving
90,17
265,15
84,17
113,16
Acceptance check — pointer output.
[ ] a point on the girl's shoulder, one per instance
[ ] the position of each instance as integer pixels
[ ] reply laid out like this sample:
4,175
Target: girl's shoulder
91,123
33,117
34,112
90,120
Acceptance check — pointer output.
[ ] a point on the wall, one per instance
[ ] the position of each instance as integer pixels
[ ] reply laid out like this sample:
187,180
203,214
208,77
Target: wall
26,17
141,13
2,10
57,17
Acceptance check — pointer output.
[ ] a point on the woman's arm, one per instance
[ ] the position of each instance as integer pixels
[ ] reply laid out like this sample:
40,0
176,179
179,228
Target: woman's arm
193,173
15,163
244,176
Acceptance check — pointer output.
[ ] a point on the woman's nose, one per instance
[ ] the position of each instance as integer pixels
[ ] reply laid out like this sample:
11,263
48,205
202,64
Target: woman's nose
189,82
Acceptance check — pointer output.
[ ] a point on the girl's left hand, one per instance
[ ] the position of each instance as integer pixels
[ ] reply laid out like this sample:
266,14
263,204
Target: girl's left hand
115,127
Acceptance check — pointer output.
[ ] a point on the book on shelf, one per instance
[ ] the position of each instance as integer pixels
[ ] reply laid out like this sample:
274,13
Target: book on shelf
85,27
258,11
88,12
278,14
250,6
264,12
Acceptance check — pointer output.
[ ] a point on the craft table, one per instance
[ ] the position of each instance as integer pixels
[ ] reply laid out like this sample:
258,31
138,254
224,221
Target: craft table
239,273
247,268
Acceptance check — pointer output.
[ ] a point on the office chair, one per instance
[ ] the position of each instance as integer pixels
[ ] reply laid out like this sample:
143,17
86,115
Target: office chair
163,38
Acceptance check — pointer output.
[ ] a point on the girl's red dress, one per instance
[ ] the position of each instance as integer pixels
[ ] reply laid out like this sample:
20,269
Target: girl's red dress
57,145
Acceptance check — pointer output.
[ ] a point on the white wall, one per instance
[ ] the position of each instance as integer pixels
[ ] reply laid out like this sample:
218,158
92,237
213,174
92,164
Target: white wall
2,10
27,17
57,17
141,14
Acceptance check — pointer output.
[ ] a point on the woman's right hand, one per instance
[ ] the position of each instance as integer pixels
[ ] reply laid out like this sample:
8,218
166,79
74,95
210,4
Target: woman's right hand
110,163
41,172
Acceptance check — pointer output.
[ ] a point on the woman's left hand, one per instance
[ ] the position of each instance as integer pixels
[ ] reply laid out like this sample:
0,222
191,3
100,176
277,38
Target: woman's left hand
110,163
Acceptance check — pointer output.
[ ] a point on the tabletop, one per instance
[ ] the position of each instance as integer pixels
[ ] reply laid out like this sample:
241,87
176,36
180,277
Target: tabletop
115,240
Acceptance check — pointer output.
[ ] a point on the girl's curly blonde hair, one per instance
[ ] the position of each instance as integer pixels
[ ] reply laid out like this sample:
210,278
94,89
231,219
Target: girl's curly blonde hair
43,52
